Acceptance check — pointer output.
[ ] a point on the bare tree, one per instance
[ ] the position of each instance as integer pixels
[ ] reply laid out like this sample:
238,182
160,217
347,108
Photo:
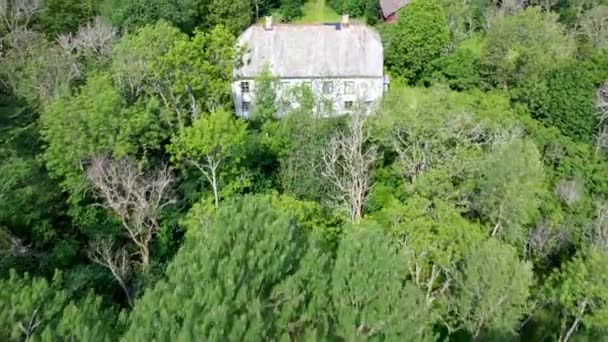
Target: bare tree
545,240
414,157
17,14
96,37
594,26
117,261
601,104
569,191
348,165
134,196
598,234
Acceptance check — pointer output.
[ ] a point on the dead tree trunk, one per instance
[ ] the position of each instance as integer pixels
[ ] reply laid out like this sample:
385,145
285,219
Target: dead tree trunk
348,165
135,197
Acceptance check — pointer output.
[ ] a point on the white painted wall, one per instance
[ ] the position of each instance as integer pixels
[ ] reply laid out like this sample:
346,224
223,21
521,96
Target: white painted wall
365,90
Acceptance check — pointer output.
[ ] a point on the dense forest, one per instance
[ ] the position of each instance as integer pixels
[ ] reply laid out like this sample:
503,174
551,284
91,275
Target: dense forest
472,204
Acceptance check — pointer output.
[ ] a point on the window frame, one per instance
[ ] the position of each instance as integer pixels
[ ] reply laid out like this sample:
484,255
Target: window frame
348,105
328,87
246,107
349,87
245,87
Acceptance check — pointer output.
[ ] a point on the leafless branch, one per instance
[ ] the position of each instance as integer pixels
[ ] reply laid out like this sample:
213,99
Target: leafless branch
96,37
17,14
134,196
601,104
348,165
569,191
11,244
598,234
117,261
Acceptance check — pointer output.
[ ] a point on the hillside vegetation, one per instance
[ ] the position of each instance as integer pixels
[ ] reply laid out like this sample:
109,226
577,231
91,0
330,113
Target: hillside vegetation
471,205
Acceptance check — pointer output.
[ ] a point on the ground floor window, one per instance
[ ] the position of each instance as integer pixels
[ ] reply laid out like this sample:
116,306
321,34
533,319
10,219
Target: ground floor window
246,107
348,104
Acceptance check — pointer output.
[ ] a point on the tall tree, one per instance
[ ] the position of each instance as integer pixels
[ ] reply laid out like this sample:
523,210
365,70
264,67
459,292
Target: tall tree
34,309
215,145
418,38
135,197
492,290
256,247
369,294
520,48
510,186
235,15
348,162
578,292
194,76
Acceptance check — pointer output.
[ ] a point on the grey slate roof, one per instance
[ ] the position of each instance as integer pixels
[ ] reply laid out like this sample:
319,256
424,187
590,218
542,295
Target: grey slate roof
324,50
391,6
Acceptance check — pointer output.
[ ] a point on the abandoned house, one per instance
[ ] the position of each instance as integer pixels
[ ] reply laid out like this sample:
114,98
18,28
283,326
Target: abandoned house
341,63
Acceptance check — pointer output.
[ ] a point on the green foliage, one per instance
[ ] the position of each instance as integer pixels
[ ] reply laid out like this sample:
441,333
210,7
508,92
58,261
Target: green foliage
298,140
521,47
510,185
419,37
131,14
504,143
578,291
38,71
59,16
369,294
566,99
215,144
265,100
291,9
461,67
94,121
234,15
228,269
194,76
34,309
493,289
136,52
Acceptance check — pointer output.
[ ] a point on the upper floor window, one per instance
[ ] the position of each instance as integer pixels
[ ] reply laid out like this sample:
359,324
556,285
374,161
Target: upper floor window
349,87
328,87
244,87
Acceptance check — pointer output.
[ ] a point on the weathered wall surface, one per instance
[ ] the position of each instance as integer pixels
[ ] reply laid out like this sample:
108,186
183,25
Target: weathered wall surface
337,91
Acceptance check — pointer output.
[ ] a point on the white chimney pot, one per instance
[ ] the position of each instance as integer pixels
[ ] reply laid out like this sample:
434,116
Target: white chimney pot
345,20
268,24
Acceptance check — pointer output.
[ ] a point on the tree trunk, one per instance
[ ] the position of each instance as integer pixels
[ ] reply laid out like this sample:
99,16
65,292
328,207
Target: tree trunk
570,331
574,326
214,185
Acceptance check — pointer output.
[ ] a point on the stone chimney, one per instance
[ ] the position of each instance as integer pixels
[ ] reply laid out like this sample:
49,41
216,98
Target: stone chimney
345,20
268,24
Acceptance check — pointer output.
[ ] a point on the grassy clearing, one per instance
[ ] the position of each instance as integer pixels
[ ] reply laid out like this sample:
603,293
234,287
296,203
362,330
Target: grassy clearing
317,11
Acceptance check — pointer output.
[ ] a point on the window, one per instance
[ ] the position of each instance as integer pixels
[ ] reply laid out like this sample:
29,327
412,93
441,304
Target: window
284,85
348,104
244,87
246,107
349,87
328,87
